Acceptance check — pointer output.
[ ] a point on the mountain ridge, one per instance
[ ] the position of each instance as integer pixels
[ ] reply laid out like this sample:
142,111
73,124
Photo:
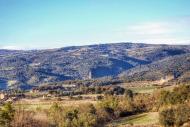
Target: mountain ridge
35,67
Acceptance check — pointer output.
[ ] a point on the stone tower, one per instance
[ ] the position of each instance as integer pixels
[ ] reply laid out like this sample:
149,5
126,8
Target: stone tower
90,75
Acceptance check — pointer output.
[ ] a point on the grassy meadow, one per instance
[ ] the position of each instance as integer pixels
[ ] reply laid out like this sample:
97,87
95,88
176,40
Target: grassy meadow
150,118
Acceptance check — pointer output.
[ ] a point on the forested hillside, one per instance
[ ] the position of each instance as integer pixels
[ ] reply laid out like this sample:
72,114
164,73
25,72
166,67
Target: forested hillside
131,60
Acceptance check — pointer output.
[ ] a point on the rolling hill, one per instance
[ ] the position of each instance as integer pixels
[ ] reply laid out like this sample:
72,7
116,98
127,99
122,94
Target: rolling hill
134,61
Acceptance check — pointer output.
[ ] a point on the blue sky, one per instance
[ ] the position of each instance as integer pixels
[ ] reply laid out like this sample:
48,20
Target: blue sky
28,24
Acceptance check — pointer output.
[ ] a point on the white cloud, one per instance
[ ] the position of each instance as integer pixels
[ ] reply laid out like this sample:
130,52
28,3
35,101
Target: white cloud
11,47
173,31
19,47
150,28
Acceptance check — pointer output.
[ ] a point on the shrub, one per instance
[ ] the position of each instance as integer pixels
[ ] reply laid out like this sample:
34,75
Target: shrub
82,116
167,117
174,116
6,115
99,97
182,114
56,115
179,95
125,107
109,104
87,119
128,93
143,102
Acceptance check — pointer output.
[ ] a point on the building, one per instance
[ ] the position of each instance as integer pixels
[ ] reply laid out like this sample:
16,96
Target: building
3,96
90,75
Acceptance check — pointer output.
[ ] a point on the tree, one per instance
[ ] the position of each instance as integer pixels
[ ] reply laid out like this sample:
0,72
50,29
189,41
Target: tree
129,94
6,115
167,117
109,104
182,114
56,114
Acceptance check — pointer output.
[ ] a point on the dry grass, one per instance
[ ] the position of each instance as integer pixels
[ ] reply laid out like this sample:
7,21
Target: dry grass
40,103
41,106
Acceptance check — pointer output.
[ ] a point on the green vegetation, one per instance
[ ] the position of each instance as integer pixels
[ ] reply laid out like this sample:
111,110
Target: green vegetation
59,101
19,117
73,117
174,105
145,89
6,115
140,119
110,107
174,116
179,95
128,61
116,107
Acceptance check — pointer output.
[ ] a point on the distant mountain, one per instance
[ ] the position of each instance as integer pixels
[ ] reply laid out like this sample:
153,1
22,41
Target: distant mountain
175,66
129,60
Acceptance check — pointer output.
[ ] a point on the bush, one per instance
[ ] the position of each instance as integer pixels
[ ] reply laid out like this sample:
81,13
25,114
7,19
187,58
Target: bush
143,102
109,104
129,94
174,116
56,115
9,117
178,96
125,107
182,114
6,115
99,97
167,117
82,116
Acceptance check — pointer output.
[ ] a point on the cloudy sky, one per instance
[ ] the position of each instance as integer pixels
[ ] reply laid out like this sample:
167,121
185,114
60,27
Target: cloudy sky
31,24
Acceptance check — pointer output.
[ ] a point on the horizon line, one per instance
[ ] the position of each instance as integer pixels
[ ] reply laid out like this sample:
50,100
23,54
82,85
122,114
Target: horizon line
30,48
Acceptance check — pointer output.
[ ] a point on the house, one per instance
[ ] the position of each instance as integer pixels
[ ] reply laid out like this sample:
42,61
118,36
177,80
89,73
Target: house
3,96
34,90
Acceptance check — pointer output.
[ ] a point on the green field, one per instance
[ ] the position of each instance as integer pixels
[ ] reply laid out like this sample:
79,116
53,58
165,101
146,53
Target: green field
140,119
146,89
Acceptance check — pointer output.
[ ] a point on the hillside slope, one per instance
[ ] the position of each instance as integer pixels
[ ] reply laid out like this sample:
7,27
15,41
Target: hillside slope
25,68
176,66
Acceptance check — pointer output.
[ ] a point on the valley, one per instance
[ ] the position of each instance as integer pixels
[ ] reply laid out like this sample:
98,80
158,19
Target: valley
111,85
